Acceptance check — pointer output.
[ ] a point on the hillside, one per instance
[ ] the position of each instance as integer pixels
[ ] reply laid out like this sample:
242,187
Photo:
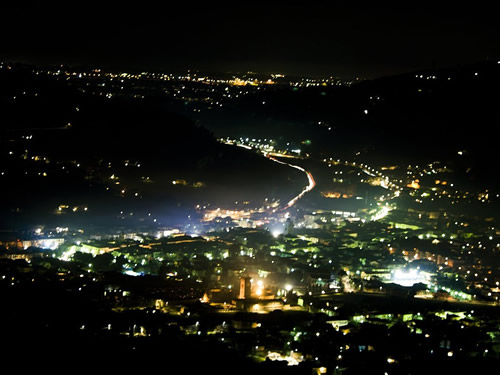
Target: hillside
414,118
64,148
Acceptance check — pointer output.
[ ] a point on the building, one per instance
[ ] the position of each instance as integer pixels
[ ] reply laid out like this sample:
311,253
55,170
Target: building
245,288
44,243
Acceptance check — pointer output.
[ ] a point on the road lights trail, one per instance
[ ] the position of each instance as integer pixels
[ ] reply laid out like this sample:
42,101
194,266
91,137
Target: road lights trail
307,189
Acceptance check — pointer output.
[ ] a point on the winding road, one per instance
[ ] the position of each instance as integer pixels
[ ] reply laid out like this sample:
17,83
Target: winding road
304,191
309,175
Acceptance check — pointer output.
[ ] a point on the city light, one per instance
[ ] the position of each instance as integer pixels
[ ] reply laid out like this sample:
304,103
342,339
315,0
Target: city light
251,215
410,277
274,356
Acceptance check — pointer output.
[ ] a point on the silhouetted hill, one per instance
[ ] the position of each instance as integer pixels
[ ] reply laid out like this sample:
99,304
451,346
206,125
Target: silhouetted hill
414,118
432,115
65,147
448,108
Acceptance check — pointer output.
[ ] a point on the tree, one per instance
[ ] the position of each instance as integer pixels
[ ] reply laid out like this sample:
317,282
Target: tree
103,262
83,259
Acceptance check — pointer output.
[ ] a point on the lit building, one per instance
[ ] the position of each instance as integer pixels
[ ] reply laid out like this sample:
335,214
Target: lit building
46,243
245,287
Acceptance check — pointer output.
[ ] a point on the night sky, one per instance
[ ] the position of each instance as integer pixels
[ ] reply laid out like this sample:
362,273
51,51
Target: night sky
320,38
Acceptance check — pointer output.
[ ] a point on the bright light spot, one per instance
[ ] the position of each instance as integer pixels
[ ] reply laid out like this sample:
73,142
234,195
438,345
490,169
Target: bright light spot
288,287
51,244
132,273
273,356
275,233
410,277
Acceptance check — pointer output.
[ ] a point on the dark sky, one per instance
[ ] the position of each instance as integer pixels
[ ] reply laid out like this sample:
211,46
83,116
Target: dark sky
321,38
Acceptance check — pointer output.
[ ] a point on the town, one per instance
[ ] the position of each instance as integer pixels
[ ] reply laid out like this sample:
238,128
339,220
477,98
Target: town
298,288
248,221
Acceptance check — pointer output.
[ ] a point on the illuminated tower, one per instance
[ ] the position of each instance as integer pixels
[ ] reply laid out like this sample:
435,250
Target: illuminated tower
245,287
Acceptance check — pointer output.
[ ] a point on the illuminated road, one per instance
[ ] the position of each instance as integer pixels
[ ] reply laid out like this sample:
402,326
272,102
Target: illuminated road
304,191
270,156
384,181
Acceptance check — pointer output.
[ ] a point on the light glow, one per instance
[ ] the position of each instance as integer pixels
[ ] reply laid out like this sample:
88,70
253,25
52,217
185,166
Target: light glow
410,277
276,233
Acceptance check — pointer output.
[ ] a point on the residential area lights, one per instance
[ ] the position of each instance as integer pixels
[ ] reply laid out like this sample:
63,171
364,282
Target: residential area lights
278,280
327,271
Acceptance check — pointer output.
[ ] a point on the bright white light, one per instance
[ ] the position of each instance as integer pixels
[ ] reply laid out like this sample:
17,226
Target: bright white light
275,233
273,356
49,244
288,287
132,273
409,278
